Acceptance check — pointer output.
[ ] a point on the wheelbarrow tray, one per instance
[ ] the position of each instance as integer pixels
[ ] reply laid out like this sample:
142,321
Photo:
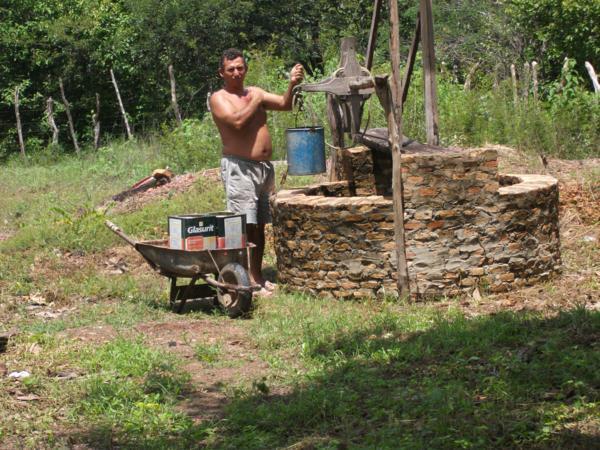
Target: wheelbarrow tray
189,263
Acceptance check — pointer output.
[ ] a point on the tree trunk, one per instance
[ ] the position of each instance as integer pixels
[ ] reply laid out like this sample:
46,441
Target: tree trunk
534,76
513,74
19,129
469,79
68,111
96,123
51,122
123,113
174,104
593,76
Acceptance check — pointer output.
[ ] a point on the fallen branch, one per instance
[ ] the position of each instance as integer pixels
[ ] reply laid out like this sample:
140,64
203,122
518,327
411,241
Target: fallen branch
158,178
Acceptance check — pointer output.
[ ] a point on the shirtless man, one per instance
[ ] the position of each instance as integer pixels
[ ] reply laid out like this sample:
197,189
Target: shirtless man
248,176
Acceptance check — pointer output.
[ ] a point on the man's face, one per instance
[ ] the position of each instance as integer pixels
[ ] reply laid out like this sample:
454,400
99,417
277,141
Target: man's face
233,71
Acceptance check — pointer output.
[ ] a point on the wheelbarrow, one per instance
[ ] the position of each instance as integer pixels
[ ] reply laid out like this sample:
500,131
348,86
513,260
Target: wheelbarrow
224,272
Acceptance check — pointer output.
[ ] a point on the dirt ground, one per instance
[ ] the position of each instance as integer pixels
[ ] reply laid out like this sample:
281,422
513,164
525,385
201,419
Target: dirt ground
240,360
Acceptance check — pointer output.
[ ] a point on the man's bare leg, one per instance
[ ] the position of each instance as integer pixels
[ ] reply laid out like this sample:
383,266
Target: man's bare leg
256,235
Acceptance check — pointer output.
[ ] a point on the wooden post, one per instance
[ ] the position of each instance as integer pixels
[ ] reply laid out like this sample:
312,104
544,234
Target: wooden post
51,122
593,76
513,74
412,56
393,107
384,93
68,111
431,107
174,96
18,116
534,76
373,33
96,123
337,135
526,81
114,81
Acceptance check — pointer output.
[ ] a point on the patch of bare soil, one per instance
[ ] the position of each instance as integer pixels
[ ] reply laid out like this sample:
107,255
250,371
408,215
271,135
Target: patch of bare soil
96,334
238,360
179,183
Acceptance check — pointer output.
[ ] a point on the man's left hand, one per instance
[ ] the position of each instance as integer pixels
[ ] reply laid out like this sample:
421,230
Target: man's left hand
297,74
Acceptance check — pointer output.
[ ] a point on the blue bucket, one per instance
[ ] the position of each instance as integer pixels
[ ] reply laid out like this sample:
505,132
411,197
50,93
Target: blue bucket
305,150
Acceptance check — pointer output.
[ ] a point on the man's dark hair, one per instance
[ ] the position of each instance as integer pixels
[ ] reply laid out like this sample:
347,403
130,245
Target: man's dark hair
229,54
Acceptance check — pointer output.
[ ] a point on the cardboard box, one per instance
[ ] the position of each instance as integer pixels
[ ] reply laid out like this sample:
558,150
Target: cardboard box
231,230
193,232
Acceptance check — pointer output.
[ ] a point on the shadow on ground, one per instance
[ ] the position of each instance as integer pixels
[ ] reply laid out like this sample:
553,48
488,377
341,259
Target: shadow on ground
502,381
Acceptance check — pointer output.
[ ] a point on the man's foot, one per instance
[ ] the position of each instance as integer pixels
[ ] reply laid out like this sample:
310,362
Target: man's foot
269,286
263,293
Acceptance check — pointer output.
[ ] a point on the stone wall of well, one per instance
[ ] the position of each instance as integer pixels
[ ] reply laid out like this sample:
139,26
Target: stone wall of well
465,226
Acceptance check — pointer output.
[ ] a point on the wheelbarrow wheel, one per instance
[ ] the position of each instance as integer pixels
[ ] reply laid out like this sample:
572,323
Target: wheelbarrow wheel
234,302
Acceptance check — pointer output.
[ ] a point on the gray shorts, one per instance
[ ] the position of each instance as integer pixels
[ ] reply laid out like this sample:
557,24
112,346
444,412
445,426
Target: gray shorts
248,185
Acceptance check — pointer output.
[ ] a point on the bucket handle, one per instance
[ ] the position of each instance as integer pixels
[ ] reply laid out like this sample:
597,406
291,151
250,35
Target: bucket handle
298,100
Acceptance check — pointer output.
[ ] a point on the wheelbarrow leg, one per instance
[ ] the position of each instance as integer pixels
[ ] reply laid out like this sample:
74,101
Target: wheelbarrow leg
184,293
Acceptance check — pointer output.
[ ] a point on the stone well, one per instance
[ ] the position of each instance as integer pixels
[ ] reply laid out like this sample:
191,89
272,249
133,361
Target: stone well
465,225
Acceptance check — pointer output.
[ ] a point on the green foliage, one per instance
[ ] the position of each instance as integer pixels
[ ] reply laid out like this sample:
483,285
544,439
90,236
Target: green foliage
81,40
555,29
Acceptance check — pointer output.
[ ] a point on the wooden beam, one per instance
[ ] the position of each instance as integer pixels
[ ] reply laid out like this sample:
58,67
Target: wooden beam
391,99
337,135
412,56
384,93
373,33
431,106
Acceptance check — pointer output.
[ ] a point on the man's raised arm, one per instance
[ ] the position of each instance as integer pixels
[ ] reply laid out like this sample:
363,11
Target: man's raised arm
284,102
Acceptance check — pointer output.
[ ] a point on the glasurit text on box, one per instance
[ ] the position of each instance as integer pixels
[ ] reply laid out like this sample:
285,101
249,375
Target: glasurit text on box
193,232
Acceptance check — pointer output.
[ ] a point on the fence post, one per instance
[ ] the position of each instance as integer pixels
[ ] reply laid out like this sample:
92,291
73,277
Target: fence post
526,81
68,111
114,81
534,74
18,116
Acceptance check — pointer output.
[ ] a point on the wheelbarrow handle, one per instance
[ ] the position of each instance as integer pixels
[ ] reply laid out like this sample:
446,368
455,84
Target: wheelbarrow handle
115,229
